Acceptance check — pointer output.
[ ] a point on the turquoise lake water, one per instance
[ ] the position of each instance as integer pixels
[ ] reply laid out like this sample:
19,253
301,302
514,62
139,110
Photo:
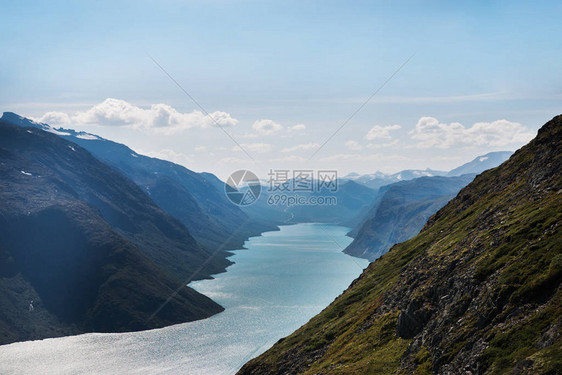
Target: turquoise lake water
276,285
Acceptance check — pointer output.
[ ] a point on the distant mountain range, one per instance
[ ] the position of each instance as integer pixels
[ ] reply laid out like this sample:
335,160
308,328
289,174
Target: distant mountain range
87,246
477,291
478,165
379,179
400,209
196,199
481,163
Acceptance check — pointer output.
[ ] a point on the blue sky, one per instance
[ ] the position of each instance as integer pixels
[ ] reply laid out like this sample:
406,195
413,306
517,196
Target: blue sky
288,63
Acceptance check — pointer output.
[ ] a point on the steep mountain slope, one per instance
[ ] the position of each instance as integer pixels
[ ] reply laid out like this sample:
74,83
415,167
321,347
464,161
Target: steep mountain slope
477,291
190,197
481,163
86,245
120,202
400,212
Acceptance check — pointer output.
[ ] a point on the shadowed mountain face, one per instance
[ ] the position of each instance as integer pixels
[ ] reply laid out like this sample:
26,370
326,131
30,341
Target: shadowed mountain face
196,199
400,211
477,291
87,246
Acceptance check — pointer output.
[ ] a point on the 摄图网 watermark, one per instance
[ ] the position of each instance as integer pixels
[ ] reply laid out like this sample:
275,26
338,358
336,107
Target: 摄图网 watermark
301,200
286,187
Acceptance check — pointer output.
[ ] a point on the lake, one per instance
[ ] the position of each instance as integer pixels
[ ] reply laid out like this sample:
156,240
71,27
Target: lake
276,285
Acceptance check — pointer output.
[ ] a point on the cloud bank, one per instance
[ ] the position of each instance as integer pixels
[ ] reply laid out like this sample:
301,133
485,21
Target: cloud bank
159,118
381,132
254,147
429,132
304,146
266,127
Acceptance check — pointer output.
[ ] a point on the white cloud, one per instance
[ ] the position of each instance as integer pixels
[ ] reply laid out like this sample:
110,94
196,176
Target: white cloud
159,118
266,127
353,145
298,127
381,132
447,158
382,145
249,135
200,148
233,160
304,146
254,147
432,133
360,157
55,119
289,158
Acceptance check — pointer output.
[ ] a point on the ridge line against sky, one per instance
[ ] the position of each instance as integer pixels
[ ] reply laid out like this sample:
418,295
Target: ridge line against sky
282,75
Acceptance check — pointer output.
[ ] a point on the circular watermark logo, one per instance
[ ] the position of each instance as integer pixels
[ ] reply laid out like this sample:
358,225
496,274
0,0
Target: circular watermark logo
242,187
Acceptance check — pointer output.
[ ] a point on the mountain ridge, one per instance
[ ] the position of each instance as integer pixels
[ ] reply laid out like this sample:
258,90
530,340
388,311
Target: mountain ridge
475,166
481,163
191,197
477,291
85,244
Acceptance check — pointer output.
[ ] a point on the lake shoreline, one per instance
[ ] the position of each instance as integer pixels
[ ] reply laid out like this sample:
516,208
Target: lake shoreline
276,284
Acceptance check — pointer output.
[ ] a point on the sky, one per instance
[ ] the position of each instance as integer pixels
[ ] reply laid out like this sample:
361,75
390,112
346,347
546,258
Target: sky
223,85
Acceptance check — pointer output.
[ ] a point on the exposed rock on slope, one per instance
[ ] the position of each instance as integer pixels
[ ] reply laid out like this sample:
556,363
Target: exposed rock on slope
476,292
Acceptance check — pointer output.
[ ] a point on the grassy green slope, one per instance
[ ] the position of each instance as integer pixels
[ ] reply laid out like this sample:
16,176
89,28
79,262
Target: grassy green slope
477,290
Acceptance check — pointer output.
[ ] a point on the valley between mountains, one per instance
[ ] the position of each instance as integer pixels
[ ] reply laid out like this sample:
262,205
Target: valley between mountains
465,273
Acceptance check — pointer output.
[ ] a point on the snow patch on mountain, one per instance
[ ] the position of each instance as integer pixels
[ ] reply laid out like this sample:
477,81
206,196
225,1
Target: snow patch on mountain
57,132
87,136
